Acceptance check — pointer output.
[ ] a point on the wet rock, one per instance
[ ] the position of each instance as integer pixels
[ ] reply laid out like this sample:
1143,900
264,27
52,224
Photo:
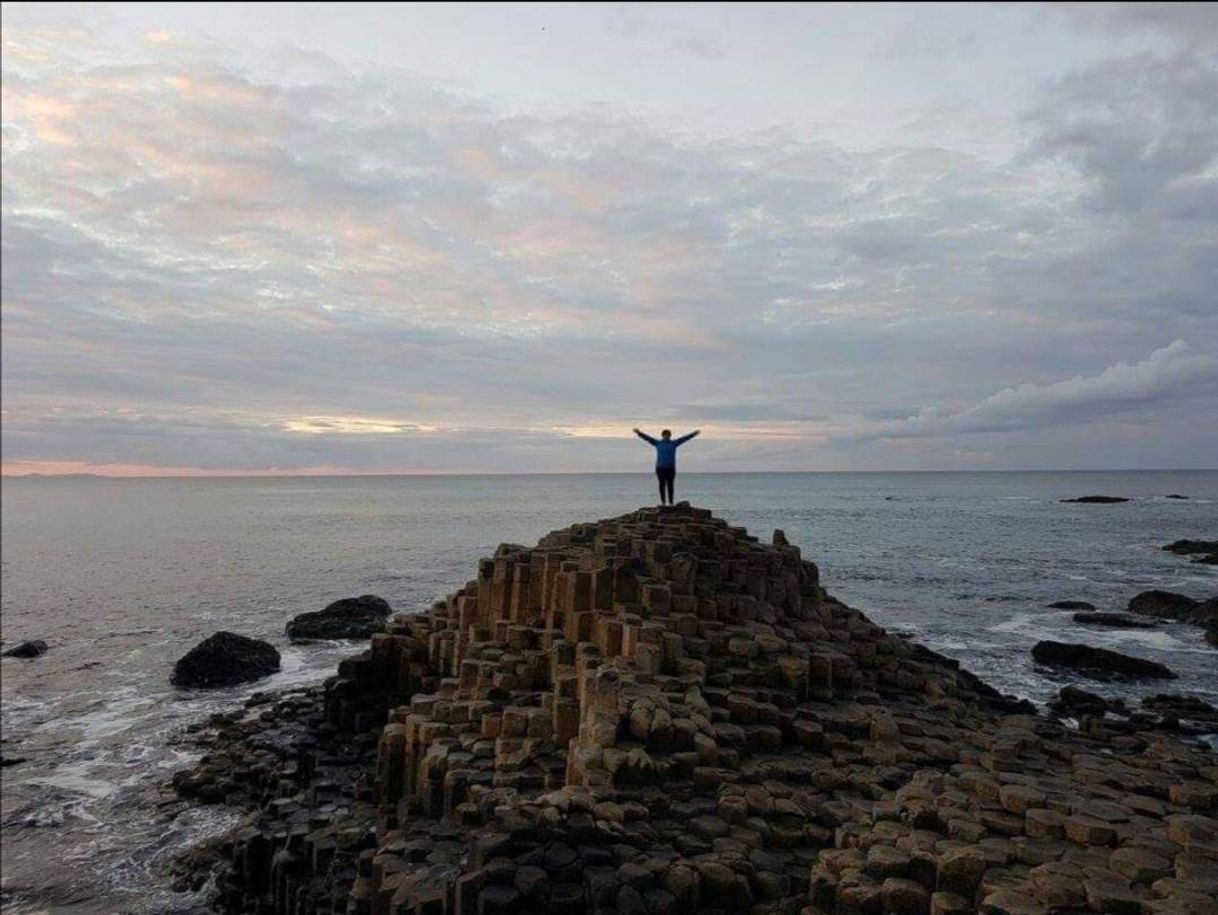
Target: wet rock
225,659
1164,605
1177,706
1097,500
1203,551
1174,495
349,618
1112,621
31,649
1071,605
1070,700
1098,663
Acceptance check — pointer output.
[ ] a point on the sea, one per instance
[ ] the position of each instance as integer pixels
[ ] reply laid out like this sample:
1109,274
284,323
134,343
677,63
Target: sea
122,576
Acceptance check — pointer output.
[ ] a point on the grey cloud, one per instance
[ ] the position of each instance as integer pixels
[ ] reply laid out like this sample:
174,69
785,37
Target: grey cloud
1192,22
1174,372
196,242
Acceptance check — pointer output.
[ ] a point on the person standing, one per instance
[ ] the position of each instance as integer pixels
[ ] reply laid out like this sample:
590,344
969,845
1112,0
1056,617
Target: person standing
666,459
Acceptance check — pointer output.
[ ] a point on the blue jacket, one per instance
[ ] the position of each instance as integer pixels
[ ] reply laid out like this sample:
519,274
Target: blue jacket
666,449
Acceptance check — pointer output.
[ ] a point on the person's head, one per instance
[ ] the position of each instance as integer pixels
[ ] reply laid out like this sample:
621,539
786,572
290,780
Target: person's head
666,434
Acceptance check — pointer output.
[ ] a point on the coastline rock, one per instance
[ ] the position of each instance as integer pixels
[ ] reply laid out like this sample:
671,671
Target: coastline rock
225,659
1167,605
1174,495
1071,605
1070,700
1203,551
1178,706
31,649
1098,663
660,714
1112,620
1097,500
349,618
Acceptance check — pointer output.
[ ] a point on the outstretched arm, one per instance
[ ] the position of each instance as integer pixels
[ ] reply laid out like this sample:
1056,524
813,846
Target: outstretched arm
645,437
685,438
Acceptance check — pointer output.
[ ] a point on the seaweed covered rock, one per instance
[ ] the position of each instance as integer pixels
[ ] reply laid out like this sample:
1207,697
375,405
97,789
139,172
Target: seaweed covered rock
225,659
349,618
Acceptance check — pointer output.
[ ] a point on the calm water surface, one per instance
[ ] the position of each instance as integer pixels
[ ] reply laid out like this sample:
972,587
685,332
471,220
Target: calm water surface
121,577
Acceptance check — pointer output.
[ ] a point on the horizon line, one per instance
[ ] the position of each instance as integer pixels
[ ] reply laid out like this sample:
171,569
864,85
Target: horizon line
256,475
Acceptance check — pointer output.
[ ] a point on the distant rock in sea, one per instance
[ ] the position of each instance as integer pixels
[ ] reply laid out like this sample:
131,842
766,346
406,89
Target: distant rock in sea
31,649
225,659
349,618
1071,605
1098,663
1203,551
1166,605
1112,620
1175,496
1097,500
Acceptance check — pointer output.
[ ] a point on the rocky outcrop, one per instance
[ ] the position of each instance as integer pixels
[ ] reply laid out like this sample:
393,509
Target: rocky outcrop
1098,663
1097,500
349,618
1071,605
659,714
29,649
1170,606
1203,551
1070,700
1165,605
1113,620
225,659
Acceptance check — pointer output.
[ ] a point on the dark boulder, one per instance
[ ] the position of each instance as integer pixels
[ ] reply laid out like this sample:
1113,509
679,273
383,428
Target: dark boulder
1174,495
1070,700
31,649
349,618
1203,551
1098,663
1112,620
1165,605
225,659
1097,500
1181,707
1071,605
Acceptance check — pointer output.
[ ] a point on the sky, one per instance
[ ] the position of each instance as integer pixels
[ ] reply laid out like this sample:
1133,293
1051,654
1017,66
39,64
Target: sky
374,238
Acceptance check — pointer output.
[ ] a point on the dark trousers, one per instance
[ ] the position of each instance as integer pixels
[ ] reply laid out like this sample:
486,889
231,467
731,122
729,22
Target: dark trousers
666,476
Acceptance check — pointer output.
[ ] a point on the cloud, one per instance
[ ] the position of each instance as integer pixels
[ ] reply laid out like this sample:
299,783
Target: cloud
1174,372
213,266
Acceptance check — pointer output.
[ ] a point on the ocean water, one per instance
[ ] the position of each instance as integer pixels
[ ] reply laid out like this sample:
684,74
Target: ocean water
121,577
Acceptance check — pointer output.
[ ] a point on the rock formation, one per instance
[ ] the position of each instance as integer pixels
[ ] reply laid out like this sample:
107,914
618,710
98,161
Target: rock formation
659,714
30,649
1113,620
1165,605
349,618
1099,663
1097,500
1203,551
225,659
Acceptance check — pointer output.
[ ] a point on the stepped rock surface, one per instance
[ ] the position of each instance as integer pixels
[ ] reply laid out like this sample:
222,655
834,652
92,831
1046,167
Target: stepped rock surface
659,714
